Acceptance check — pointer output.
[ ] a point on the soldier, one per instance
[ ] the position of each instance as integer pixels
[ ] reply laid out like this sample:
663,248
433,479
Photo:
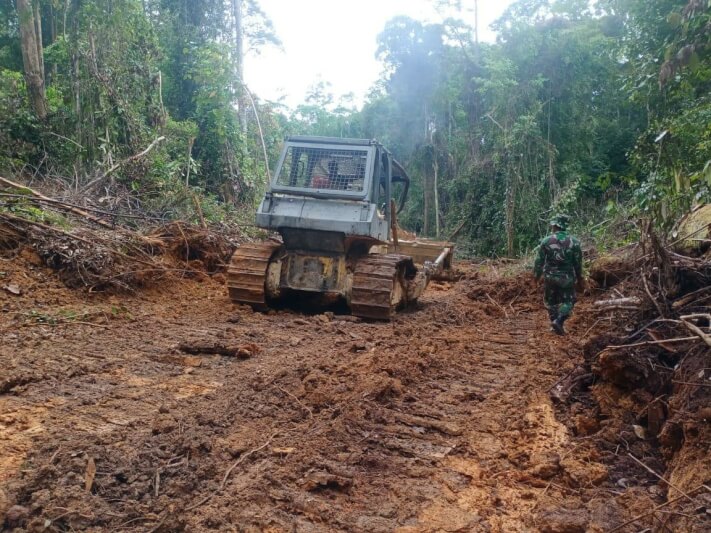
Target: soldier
560,260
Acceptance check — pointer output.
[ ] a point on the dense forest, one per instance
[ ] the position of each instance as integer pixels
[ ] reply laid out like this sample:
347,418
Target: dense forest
597,108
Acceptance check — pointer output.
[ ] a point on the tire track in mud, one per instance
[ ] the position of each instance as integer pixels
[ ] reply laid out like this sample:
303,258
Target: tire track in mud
413,441
491,499
433,422
492,380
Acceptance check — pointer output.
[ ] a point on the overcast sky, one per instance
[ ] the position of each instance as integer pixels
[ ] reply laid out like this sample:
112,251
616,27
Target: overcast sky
335,41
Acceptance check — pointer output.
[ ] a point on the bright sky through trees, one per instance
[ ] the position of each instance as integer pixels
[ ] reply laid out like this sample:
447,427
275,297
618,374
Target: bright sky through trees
335,41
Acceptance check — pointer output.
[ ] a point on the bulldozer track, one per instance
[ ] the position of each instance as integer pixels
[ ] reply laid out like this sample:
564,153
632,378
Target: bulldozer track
374,281
247,273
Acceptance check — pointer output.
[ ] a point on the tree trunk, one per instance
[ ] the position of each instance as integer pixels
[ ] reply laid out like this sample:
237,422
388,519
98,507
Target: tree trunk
425,215
64,21
239,62
50,76
510,205
552,184
31,43
191,141
436,193
76,92
38,33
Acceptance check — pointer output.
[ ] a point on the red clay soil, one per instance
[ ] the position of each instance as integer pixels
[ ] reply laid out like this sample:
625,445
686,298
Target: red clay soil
438,421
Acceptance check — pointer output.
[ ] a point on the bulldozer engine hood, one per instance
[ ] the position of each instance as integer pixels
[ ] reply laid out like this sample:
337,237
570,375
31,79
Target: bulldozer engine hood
348,217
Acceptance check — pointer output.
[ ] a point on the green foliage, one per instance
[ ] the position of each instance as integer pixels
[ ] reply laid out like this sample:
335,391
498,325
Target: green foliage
62,316
600,109
671,79
531,123
19,129
120,311
120,74
31,211
561,113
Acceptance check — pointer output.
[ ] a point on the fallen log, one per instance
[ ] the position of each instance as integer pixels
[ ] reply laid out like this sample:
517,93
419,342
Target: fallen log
615,302
244,351
690,298
661,342
618,308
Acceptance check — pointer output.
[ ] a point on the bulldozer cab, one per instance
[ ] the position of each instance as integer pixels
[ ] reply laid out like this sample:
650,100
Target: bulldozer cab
333,185
331,200
390,181
322,167
324,170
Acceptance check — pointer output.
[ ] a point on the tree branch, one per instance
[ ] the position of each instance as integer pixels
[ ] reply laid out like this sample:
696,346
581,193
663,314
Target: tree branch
58,203
118,165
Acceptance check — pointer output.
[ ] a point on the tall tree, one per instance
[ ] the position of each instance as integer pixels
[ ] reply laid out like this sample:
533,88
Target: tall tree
664,45
32,54
238,22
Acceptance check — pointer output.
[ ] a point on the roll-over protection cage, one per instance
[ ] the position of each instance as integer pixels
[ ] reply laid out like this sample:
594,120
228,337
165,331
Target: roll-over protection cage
349,169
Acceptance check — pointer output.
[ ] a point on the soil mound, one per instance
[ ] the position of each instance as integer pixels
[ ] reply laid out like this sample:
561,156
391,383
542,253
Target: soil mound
643,391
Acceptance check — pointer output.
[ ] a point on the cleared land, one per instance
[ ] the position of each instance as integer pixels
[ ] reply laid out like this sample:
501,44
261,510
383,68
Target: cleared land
171,410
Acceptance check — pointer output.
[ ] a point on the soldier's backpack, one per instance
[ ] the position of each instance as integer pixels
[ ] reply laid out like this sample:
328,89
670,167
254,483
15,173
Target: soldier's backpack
560,251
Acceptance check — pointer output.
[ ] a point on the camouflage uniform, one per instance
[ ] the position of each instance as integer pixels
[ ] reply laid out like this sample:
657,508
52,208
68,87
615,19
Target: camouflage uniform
560,260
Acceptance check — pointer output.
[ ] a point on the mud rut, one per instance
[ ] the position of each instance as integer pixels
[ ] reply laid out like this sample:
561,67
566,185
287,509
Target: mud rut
438,421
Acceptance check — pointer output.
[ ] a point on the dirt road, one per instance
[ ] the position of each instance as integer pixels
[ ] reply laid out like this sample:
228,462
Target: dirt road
438,421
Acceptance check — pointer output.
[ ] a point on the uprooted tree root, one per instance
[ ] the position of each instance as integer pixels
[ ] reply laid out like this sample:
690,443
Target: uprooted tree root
102,259
610,269
191,243
644,390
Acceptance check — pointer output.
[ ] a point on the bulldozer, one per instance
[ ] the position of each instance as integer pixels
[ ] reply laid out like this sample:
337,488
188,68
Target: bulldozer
334,202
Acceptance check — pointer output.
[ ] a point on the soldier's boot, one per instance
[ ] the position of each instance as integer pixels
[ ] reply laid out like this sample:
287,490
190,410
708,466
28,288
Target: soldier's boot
557,325
552,315
563,315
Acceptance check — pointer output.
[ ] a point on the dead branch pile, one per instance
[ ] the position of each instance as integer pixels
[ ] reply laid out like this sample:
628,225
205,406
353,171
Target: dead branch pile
89,247
669,297
660,355
9,237
84,257
120,259
82,260
194,244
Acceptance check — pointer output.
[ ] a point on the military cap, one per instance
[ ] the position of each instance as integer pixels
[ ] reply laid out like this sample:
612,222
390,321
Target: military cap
561,221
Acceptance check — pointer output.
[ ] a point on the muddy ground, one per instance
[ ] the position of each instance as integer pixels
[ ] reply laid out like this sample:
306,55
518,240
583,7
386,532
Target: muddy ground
439,421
